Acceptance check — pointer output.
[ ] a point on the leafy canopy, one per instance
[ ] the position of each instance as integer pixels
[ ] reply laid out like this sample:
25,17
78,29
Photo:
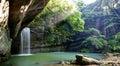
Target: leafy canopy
76,22
58,17
58,10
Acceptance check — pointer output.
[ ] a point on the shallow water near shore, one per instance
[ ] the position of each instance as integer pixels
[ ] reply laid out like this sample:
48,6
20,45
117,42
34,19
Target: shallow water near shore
40,59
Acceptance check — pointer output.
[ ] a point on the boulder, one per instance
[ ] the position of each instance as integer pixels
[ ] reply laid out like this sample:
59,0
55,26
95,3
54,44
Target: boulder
84,60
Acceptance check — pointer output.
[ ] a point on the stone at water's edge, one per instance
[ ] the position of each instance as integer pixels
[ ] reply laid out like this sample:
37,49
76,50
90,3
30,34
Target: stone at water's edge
83,60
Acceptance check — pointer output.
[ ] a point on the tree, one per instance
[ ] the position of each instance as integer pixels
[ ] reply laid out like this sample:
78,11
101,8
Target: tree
59,19
117,36
76,22
94,43
54,12
102,19
114,43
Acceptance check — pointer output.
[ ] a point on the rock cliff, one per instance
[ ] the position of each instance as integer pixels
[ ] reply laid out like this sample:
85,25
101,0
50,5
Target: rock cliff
15,15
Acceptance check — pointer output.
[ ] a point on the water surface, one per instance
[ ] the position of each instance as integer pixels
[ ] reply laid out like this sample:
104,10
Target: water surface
40,59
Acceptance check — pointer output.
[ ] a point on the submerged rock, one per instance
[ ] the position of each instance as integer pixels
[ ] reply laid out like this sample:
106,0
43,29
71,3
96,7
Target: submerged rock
84,60
65,62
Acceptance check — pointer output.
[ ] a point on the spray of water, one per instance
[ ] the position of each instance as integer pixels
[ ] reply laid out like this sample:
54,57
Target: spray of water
25,41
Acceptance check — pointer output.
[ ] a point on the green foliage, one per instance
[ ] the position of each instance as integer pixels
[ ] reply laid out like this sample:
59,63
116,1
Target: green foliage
54,12
94,31
62,30
80,4
98,42
76,22
94,41
102,21
58,17
57,34
110,25
117,36
85,50
114,44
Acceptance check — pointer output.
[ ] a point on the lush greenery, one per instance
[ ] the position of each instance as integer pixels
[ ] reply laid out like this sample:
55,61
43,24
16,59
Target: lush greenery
61,23
59,20
102,28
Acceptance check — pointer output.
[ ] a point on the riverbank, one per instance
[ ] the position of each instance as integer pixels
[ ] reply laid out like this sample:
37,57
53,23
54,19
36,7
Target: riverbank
110,59
43,59
62,59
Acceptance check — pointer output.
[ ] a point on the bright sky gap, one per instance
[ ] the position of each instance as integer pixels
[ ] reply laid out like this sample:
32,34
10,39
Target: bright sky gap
88,1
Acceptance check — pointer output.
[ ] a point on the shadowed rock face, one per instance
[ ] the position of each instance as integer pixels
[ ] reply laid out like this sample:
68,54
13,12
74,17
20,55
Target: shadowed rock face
104,12
15,15
4,36
23,12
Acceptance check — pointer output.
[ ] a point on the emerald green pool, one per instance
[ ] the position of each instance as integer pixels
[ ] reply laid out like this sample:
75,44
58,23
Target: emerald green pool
40,59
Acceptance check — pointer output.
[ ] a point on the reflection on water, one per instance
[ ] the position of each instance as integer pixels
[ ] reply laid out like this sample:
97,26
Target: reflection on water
45,58
22,55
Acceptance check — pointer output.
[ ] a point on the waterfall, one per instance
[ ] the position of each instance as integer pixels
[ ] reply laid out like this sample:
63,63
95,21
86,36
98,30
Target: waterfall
25,41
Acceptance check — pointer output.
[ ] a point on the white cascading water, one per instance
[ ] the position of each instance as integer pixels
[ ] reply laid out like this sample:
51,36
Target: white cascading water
25,41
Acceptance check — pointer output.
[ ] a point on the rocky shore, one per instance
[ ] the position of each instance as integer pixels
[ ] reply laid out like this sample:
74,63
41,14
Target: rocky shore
111,59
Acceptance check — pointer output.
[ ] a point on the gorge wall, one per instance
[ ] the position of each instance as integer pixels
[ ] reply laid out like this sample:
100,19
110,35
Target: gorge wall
14,16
